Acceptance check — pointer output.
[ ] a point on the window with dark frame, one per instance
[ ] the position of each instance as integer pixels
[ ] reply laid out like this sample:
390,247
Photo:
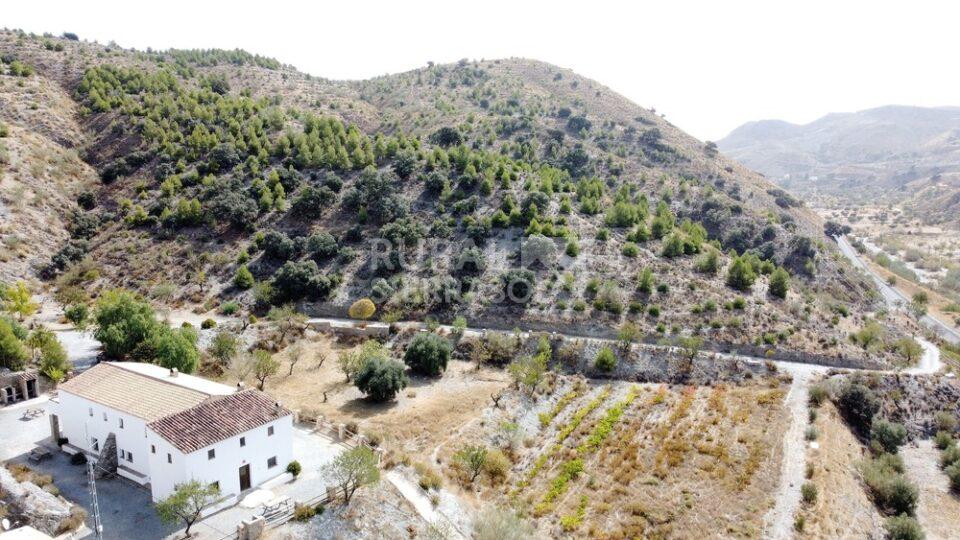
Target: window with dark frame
269,431
243,441
153,449
211,453
272,462
169,458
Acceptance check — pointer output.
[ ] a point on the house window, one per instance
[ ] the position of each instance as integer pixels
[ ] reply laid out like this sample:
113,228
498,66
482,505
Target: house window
272,462
169,458
94,444
215,485
211,453
104,417
130,457
90,410
153,449
121,423
243,441
123,454
270,431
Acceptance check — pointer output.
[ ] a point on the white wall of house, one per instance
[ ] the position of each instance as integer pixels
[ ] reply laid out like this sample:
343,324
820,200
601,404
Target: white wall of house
168,465
82,420
228,457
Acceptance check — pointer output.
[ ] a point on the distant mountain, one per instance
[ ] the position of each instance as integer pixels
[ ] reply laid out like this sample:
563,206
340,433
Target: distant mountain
892,152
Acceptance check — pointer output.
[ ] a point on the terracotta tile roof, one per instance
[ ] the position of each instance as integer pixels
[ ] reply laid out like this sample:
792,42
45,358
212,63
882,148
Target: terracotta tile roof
217,419
131,392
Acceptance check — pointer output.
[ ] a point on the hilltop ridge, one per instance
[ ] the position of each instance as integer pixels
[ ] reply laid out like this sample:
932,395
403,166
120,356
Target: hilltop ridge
225,178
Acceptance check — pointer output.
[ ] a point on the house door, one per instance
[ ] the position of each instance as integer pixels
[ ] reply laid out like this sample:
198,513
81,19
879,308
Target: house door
31,389
245,477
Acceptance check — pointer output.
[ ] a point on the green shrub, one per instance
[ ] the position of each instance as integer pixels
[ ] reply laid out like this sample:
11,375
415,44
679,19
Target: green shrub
13,355
818,394
950,456
858,404
903,527
243,278
428,354
943,440
892,492
945,421
298,280
708,263
497,465
779,283
303,512
953,473
77,314
381,379
889,435
208,324
605,360
741,276
294,468
428,477
809,492
630,250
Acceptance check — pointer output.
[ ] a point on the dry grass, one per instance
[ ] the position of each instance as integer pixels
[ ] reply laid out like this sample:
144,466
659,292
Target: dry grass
842,507
422,416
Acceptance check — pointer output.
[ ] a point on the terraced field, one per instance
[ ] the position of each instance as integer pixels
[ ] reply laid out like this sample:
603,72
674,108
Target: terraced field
622,460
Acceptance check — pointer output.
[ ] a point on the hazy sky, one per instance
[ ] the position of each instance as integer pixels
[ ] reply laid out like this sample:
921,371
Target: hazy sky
708,65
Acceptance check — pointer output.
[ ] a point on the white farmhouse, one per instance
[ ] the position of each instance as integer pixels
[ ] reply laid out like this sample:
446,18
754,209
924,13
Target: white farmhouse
164,428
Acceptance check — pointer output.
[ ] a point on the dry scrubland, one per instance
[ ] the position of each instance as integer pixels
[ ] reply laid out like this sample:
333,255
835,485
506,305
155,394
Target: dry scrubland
842,509
858,480
496,152
41,173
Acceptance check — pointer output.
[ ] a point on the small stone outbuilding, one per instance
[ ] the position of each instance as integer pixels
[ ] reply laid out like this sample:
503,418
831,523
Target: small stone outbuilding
18,386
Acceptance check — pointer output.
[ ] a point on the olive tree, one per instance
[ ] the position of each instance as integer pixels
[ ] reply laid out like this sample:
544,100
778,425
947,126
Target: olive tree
351,470
187,502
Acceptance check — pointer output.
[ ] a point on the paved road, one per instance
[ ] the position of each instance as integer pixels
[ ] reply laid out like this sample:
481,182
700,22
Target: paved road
893,297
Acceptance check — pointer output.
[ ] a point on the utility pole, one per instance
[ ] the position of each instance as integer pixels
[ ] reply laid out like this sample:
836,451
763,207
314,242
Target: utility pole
94,504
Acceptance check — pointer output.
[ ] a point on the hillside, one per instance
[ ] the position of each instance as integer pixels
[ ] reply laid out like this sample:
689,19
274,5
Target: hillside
894,153
509,191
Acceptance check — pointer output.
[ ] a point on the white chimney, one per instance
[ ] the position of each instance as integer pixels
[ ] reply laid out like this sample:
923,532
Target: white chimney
174,372
240,386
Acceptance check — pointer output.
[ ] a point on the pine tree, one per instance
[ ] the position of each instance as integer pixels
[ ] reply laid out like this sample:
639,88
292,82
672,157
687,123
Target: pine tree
779,283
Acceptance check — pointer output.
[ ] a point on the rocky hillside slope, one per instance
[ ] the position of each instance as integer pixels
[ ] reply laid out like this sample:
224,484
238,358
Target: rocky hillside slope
898,153
507,191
